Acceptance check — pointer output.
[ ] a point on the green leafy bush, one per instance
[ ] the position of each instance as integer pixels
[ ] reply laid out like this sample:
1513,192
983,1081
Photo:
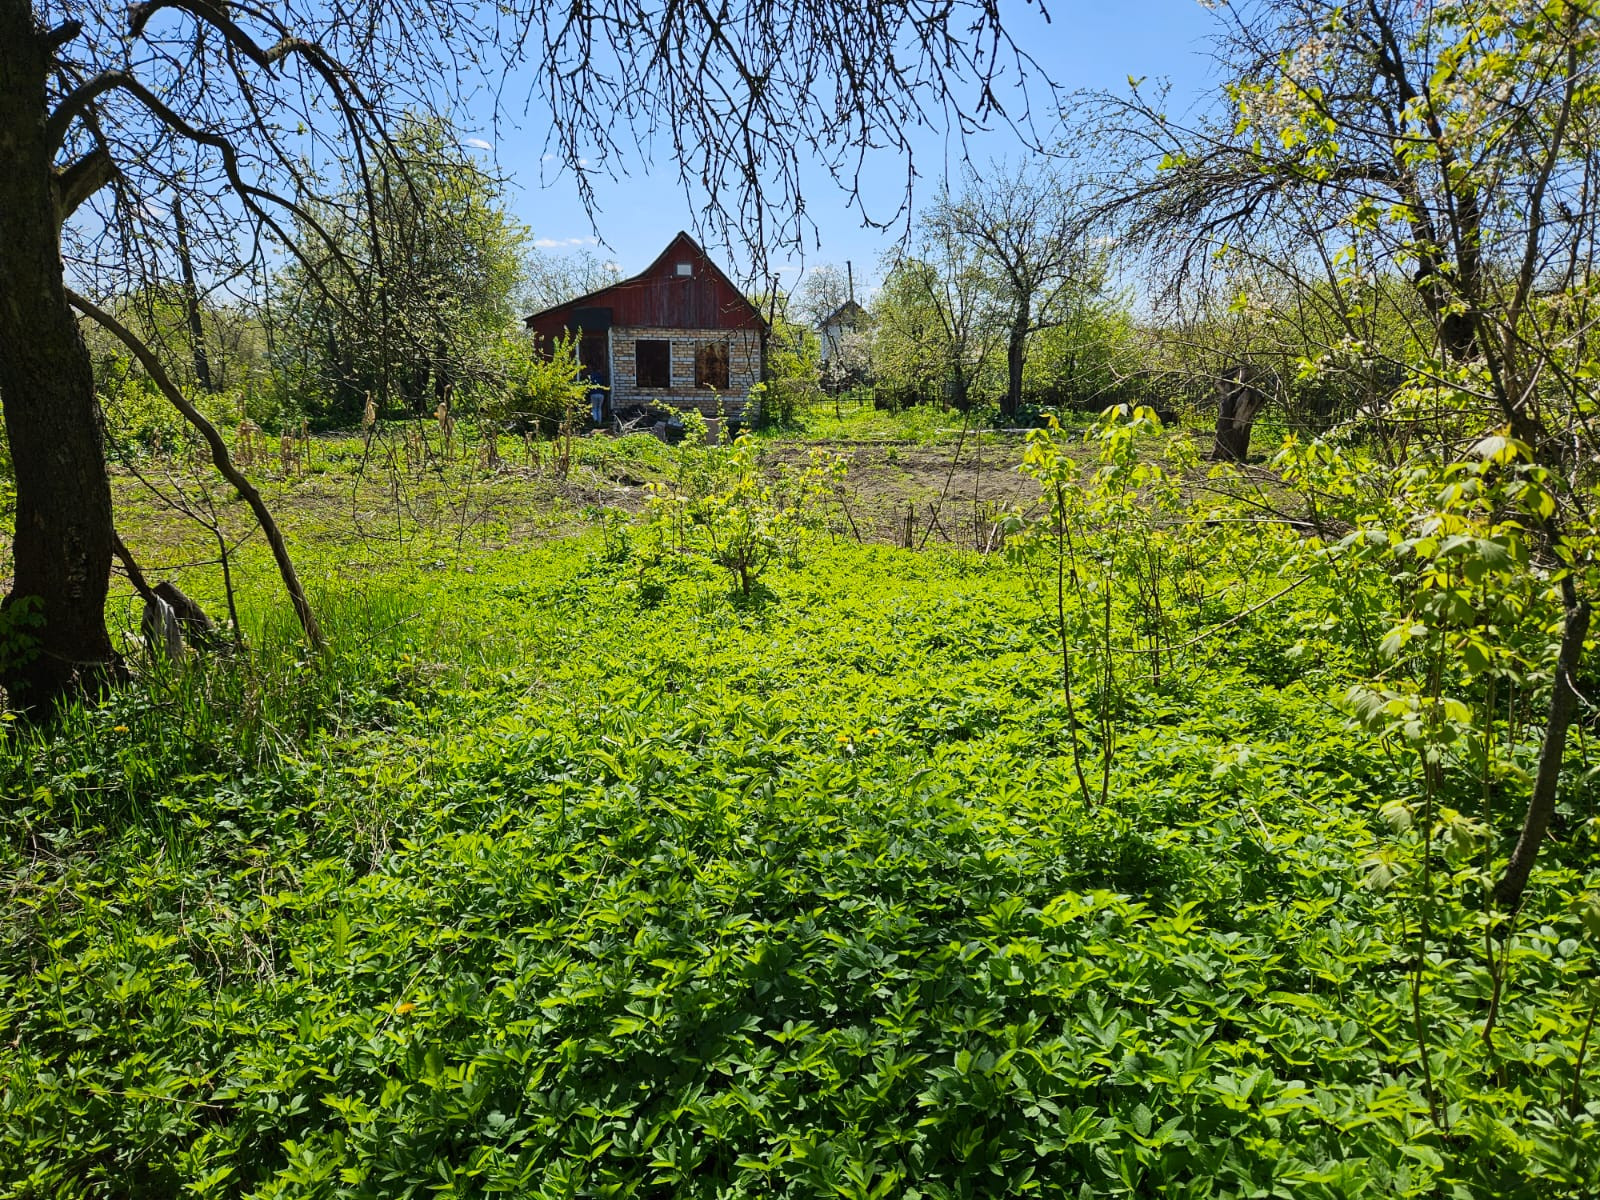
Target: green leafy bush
545,390
139,418
722,505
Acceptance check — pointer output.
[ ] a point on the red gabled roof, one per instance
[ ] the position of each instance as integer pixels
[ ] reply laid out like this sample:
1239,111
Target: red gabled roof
658,296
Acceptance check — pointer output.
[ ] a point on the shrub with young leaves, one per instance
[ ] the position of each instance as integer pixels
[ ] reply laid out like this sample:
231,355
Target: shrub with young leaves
721,504
543,387
1121,546
139,419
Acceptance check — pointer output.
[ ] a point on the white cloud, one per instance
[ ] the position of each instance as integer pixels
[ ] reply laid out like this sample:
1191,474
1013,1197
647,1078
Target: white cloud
548,243
548,158
477,143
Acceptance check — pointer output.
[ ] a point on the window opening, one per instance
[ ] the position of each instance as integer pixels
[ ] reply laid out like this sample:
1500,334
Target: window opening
711,365
653,360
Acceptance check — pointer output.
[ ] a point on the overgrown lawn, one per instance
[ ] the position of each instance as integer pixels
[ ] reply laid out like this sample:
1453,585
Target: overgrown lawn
551,884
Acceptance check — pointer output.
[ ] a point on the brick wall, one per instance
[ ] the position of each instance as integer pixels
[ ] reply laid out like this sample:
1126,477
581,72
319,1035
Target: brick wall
744,369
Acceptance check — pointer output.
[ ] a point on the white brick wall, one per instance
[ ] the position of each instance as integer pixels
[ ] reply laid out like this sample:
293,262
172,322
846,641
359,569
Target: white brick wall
744,368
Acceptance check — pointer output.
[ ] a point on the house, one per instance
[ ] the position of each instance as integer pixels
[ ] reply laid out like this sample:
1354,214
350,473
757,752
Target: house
679,331
848,318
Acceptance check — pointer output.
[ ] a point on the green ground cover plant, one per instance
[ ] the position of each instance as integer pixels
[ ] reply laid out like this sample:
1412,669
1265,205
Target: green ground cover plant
570,871
853,417
784,819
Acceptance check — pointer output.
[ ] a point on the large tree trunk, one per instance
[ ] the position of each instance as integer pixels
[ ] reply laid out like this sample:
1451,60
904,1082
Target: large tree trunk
1238,402
1016,354
62,549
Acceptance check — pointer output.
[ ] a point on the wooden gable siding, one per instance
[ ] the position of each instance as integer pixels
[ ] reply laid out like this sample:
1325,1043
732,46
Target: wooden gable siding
658,297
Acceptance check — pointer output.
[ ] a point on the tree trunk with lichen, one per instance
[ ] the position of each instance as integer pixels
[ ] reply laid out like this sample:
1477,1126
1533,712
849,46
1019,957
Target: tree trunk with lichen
53,638
1239,399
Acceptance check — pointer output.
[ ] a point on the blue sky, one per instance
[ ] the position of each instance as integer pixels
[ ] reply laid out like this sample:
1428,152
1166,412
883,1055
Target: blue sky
1084,45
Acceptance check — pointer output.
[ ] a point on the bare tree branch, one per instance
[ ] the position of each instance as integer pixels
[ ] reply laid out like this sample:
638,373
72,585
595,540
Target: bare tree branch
219,457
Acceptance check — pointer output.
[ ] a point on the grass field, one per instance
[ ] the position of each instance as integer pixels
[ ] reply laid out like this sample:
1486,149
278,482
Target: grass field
569,871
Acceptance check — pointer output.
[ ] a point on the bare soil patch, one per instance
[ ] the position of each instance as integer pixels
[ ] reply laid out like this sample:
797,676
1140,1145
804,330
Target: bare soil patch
911,494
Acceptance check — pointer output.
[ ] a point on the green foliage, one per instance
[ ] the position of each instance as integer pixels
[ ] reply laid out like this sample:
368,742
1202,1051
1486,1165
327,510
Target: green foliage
859,416
1155,857
545,389
138,418
1116,538
794,381
412,303
513,895
20,619
234,340
1004,264
1084,357
935,325
723,506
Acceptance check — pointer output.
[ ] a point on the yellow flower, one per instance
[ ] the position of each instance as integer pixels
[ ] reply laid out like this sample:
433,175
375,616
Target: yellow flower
121,729
403,1009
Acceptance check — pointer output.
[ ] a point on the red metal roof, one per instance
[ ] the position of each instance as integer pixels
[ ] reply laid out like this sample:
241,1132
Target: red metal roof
659,296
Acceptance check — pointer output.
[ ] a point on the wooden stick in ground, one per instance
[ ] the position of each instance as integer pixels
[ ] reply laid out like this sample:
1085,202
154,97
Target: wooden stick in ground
219,456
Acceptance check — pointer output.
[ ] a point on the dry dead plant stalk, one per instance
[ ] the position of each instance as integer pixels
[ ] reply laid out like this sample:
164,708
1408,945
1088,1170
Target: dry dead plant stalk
219,457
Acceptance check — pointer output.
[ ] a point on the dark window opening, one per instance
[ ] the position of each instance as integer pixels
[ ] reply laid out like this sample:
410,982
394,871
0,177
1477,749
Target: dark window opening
711,365
653,358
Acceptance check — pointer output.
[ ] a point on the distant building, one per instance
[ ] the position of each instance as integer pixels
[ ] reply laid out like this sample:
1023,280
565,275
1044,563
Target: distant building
679,331
849,317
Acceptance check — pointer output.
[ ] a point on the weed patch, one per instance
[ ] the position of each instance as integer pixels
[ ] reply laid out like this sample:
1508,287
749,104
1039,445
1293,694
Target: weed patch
532,889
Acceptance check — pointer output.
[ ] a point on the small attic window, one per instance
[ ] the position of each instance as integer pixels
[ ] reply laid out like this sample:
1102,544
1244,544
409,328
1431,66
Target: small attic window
685,268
